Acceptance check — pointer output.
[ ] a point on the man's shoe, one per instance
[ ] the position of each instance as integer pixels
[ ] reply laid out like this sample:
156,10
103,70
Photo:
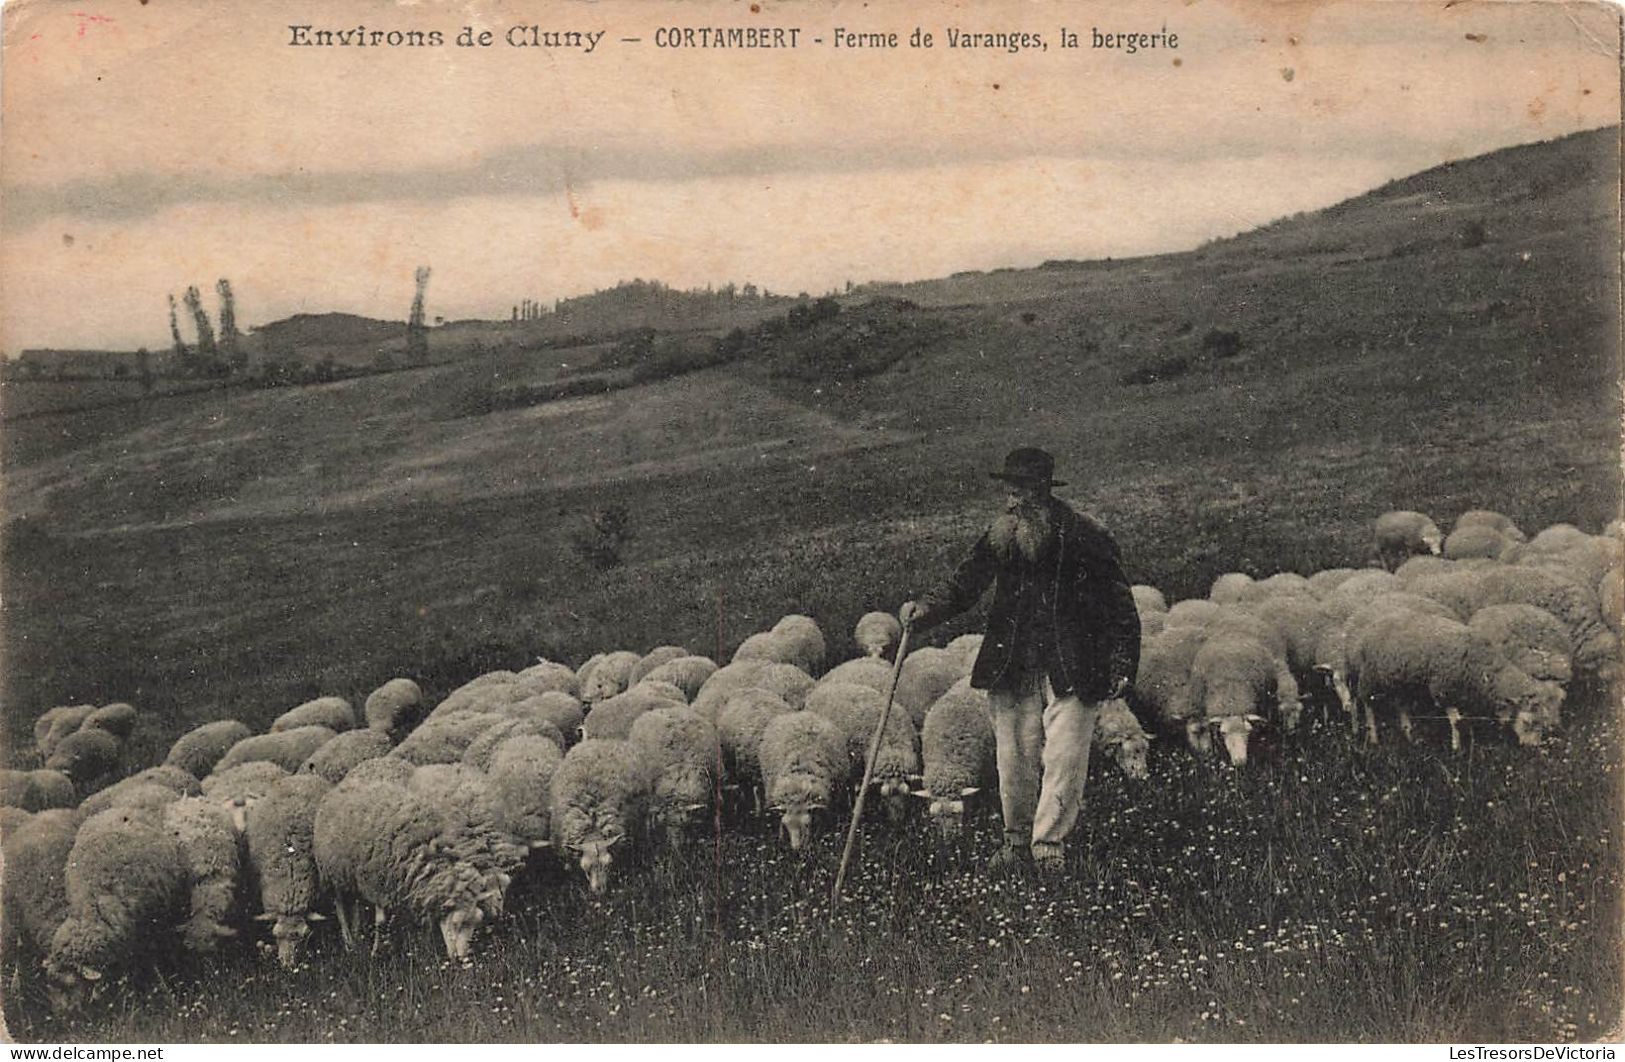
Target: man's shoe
1050,863
1007,860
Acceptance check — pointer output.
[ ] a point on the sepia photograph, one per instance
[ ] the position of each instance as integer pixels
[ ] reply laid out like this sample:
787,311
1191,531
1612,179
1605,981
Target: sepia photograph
811,521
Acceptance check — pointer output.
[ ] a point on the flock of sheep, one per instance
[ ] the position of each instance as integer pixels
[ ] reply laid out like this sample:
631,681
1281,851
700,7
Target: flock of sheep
428,812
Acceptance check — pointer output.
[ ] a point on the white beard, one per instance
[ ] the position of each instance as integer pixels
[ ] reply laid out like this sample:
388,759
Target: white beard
1024,530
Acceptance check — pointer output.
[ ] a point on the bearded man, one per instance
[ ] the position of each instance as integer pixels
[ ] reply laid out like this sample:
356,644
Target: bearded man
1062,636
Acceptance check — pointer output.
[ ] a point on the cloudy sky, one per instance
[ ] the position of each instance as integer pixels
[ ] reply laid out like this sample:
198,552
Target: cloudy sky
149,145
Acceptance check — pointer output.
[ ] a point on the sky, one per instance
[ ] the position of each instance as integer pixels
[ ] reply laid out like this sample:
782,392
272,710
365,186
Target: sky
148,146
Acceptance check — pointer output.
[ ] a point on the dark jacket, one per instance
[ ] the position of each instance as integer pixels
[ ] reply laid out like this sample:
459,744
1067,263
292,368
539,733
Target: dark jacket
1072,606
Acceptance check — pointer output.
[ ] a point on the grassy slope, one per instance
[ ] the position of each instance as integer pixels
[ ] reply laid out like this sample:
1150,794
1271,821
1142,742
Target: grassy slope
234,555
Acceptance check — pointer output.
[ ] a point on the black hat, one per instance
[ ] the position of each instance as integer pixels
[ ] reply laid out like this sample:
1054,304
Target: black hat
1029,467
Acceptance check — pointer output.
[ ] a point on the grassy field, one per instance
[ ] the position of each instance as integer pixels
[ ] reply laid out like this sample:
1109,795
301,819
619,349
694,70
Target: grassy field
233,554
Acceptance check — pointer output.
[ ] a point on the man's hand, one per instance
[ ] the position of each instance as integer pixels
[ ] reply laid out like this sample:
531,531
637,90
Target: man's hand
908,613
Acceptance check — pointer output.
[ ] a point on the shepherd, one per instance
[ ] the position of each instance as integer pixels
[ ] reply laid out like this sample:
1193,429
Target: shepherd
1062,637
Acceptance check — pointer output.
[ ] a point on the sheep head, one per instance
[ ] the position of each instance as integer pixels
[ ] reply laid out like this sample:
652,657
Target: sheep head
1234,731
290,932
948,812
1534,707
1198,737
458,926
1131,754
894,793
797,821
595,862
71,987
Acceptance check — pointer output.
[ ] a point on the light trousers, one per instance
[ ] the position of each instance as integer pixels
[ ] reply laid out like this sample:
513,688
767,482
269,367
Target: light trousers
1043,757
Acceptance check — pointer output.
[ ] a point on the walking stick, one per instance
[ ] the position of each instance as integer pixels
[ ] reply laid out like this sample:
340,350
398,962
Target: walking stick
869,766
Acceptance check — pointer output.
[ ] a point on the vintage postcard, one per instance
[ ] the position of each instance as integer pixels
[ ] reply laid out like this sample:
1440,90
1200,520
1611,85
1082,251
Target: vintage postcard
727,521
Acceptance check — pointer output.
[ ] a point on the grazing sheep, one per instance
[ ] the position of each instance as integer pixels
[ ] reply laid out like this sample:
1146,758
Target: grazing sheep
1231,677
584,672
36,790
86,757
1530,638
1398,657
483,749
614,718
1300,622
1325,581
1331,653
389,770
1404,533
687,673
855,710
521,778
927,674
1118,733
1476,541
865,671
1162,685
1586,561
334,713
545,676
1423,566
33,889
964,650
57,723
725,683
459,791
395,707
11,820
1280,584
127,886
1231,588
336,758
117,719
600,799
1148,599
135,791
785,681
740,726
240,788
281,838
1556,538
803,759
1493,520
957,755
1360,588
808,637
444,738
774,648
1192,612
1596,647
653,659
1153,623
877,633
382,842
197,751
611,674
680,749
208,838
287,748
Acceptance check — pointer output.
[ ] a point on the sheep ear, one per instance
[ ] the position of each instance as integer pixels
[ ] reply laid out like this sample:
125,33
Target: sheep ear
970,791
613,841
266,917
923,794
1253,718
224,931
815,807
315,916
693,807
90,973
540,844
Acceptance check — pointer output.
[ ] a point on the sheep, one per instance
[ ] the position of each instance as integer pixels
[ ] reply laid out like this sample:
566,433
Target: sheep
1586,561
1331,653
555,707
1152,623
208,837
379,841
198,750
459,790
134,791
774,648
877,633
545,676
725,683
584,672
1118,733
1398,656
482,749
1556,538
444,738
57,723
1278,585
389,770
927,674
117,719
1326,580
856,711
86,757
611,674
520,778
1596,647
395,707
287,748
600,798
334,713
1230,588
1532,639
786,681
956,754
1493,520
614,717
11,820
336,758
1300,621
653,659
740,725
681,752
1359,588
1420,567
1404,533
281,837
1162,685
865,671
1192,612
803,759
240,788
39,790
687,673
1231,675
811,648
33,889
1476,541
1148,599
964,650
127,883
